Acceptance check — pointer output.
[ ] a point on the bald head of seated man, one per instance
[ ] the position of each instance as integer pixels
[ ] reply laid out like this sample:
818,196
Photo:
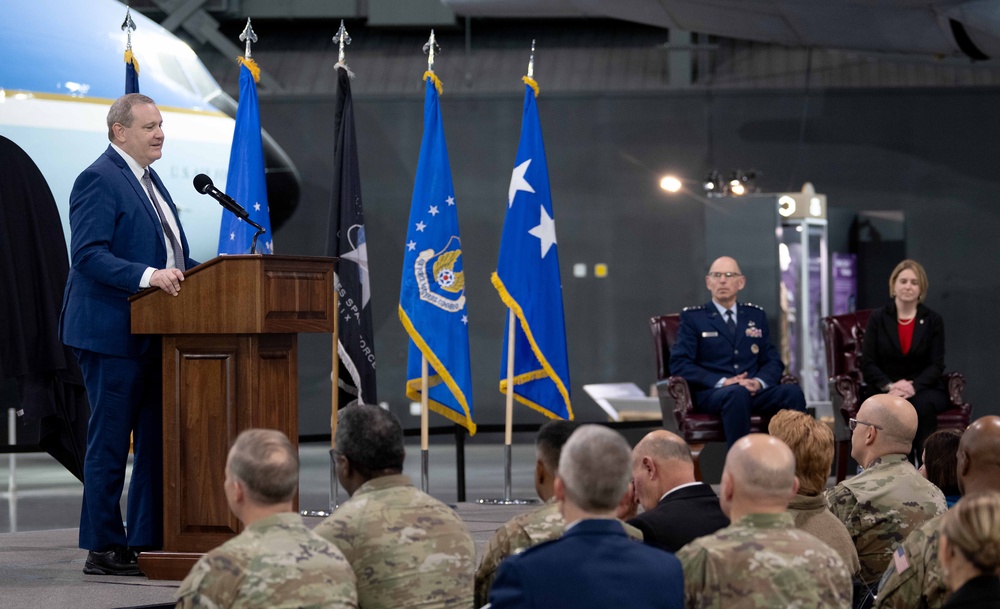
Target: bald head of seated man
676,508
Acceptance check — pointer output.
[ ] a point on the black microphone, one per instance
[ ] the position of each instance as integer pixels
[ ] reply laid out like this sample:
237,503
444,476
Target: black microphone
204,185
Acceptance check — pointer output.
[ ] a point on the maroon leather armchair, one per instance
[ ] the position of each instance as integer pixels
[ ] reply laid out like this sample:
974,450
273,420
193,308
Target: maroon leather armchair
844,336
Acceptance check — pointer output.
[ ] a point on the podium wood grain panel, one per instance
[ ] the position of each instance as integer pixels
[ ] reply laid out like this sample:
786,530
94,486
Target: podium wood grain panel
230,362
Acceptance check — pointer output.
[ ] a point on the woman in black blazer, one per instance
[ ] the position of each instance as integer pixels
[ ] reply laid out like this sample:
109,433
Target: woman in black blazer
969,553
903,349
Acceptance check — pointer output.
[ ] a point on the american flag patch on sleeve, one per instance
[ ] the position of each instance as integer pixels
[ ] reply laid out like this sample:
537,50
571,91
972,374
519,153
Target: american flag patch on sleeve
899,559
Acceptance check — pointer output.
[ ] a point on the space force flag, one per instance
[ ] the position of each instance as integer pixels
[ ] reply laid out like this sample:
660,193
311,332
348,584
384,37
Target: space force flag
432,303
346,240
245,181
527,278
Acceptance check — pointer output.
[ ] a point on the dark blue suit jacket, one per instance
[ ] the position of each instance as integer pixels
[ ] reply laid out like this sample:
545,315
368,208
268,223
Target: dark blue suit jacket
115,236
594,564
705,351
681,517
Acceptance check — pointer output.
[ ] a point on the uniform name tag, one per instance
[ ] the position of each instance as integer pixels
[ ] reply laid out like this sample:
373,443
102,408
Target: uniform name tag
709,334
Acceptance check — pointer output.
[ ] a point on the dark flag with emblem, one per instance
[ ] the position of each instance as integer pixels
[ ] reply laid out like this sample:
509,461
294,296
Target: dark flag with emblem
346,239
432,303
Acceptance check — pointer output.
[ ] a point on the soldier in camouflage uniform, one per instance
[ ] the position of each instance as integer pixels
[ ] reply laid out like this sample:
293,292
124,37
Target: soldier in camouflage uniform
541,524
917,581
761,559
407,548
276,561
889,499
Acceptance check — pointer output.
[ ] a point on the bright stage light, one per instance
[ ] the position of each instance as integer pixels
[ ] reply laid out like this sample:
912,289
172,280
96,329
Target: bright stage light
670,184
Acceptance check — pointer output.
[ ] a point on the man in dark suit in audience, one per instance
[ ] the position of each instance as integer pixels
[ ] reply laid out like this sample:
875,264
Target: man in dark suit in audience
594,564
125,236
677,508
724,351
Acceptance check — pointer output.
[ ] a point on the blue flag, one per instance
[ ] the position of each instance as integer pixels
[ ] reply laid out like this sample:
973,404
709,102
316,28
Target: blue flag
131,73
432,293
246,182
527,278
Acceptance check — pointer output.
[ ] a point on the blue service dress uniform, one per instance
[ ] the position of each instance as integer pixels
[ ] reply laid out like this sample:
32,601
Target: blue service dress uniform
706,350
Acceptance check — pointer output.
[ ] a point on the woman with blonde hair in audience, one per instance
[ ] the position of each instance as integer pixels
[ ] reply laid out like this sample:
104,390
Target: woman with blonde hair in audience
969,552
812,444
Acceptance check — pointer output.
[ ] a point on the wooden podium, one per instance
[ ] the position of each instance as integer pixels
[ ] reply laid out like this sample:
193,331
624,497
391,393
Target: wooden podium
229,363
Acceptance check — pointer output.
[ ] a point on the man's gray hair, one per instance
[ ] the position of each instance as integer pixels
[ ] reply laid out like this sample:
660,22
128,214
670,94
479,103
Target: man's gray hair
595,467
371,439
267,464
121,111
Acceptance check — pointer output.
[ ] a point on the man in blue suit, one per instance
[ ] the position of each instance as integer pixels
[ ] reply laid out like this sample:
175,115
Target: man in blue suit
594,564
724,351
125,236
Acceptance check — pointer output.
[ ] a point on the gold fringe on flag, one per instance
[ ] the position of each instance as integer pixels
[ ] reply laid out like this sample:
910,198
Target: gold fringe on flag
531,83
252,66
435,80
130,58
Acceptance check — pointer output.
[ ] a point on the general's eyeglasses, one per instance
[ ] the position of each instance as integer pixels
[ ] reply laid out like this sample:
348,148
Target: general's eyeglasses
729,275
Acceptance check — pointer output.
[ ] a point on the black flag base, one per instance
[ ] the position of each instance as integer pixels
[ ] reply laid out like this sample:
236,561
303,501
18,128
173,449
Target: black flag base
506,499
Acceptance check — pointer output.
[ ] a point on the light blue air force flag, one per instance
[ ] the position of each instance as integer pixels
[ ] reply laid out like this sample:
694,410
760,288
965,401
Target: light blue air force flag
245,181
432,304
527,279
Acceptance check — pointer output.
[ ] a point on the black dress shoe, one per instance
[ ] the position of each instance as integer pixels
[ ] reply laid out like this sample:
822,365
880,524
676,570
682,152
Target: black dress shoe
116,561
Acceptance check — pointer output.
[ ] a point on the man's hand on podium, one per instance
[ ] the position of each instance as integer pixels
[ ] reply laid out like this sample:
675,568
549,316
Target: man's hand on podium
168,280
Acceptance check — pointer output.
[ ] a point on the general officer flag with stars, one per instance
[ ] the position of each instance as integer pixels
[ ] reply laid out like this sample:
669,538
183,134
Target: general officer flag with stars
527,277
245,181
432,303
346,239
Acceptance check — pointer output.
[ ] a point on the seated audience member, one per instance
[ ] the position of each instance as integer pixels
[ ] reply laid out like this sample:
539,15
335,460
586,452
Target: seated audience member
903,349
938,462
724,351
407,548
544,523
276,561
761,559
889,499
915,578
812,444
970,553
676,508
594,564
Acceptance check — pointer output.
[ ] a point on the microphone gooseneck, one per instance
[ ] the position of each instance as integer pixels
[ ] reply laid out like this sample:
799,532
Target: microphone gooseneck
203,184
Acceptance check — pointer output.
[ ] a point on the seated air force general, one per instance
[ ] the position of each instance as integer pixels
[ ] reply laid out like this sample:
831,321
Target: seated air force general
724,351
276,561
916,580
761,560
407,548
594,564
125,236
541,524
677,509
889,499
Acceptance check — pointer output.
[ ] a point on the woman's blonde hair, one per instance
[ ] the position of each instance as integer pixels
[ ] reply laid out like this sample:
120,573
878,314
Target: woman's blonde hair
973,528
914,266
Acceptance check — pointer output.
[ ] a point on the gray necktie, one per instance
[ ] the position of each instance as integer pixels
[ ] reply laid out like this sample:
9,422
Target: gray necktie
175,244
730,322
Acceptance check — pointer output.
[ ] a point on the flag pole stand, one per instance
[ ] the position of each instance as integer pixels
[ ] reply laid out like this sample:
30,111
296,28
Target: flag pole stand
424,453
334,408
508,425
